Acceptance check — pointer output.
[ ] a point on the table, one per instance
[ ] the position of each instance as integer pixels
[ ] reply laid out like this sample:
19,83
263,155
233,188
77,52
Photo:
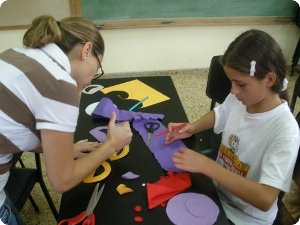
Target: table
114,209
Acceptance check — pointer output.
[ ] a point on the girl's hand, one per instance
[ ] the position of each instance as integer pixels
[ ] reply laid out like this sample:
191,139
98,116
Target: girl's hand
184,132
189,160
119,134
84,147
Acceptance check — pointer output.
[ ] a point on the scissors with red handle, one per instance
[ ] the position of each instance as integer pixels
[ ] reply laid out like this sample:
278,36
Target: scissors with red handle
87,217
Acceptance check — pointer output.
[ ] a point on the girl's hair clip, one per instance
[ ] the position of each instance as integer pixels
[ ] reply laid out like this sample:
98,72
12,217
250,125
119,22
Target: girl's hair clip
284,84
252,68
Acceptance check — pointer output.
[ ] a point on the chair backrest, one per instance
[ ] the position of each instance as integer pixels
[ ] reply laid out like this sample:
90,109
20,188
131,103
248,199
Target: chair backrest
21,182
218,85
296,92
217,88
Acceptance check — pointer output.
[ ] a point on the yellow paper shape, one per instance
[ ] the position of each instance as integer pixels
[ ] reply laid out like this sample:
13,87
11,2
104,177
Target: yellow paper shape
104,174
123,153
123,189
138,90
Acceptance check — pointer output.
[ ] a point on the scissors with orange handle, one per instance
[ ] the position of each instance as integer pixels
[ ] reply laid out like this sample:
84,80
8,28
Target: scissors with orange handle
87,217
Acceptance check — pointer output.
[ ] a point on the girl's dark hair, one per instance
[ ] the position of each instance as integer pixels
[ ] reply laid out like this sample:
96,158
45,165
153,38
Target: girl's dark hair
256,45
65,33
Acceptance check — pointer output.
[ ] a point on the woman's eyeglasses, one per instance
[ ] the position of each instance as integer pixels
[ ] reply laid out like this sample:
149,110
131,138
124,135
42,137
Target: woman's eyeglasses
101,72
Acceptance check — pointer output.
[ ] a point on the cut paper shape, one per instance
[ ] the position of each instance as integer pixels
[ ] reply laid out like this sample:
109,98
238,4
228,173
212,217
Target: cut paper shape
120,154
98,133
103,175
162,152
90,108
138,208
192,209
130,176
167,187
101,137
92,89
105,108
138,219
138,104
137,90
123,189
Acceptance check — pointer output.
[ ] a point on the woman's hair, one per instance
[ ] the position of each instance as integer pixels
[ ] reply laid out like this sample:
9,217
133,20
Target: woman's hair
65,33
258,46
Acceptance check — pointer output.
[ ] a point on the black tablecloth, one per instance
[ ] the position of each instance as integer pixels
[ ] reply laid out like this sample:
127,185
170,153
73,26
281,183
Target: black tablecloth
114,209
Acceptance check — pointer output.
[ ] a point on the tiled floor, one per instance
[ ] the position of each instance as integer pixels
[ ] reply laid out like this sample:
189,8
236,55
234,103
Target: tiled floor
190,85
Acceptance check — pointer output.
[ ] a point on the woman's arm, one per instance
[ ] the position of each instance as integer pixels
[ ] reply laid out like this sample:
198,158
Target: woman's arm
259,195
63,171
84,147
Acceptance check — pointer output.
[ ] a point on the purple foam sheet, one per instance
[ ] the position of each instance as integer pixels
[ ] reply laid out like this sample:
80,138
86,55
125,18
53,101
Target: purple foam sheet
192,209
105,108
162,152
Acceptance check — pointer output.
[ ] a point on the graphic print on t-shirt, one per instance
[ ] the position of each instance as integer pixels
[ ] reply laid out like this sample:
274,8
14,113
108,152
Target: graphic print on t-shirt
230,160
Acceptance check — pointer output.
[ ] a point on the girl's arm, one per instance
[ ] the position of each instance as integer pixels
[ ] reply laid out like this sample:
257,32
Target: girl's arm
204,123
259,195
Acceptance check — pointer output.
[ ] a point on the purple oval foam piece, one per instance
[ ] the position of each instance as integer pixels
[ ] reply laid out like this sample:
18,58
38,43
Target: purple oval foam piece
130,176
192,209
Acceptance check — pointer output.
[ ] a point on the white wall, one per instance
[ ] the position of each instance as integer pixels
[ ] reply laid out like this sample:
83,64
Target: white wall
170,48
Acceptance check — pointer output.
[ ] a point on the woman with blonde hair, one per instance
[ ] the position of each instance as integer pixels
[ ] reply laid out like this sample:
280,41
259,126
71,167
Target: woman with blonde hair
39,104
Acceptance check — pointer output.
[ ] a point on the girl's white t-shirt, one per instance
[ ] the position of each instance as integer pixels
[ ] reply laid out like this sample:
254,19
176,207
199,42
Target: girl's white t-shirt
262,147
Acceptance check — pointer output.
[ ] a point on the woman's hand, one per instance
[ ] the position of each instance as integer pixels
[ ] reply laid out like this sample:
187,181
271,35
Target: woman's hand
184,132
120,134
84,147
